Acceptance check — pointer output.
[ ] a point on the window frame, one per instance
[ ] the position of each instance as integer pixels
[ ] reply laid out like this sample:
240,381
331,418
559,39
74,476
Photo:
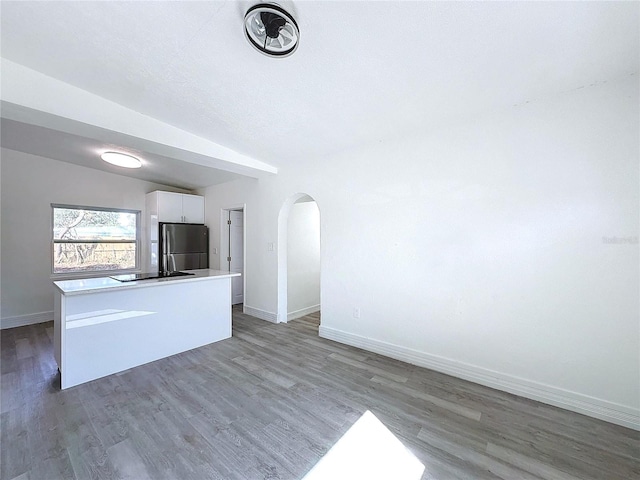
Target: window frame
95,273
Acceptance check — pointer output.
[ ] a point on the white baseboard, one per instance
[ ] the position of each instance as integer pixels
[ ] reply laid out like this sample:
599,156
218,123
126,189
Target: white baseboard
261,314
576,402
302,312
22,320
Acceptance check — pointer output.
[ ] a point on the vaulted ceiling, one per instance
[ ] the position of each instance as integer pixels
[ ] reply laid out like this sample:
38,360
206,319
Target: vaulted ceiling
364,72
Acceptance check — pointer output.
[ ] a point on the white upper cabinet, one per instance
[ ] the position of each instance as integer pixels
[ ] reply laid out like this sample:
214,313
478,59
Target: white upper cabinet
176,207
192,208
169,207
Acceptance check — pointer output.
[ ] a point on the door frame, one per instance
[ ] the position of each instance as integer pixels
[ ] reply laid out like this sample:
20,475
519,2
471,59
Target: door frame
224,243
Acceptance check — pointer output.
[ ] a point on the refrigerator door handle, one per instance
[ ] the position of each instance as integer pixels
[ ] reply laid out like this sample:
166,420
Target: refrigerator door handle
166,248
170,255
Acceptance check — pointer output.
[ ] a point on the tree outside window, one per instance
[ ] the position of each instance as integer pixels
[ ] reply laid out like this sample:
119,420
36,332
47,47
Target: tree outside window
91,239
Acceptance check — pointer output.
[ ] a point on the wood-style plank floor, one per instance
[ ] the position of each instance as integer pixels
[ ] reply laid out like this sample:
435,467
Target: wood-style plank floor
269,403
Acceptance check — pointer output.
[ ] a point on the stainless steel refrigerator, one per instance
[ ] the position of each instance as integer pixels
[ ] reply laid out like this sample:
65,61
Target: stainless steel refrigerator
183,247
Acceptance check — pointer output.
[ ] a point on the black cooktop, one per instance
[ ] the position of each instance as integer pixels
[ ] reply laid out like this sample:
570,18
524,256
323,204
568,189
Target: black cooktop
132,277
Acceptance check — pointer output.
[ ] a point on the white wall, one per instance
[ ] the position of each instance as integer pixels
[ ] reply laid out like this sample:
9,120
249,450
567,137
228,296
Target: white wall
303,259
30,184
478,249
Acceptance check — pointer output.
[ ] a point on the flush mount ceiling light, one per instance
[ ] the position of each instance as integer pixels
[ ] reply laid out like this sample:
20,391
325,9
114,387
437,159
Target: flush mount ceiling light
121,160
271,30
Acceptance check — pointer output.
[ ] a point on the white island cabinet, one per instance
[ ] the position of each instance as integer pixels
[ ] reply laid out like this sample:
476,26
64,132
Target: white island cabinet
103,326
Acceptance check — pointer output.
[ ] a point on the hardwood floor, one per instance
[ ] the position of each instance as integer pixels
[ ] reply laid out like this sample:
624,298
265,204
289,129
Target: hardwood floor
269,403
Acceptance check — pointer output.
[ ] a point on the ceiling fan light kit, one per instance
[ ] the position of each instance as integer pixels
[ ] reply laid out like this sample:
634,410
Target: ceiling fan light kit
271,30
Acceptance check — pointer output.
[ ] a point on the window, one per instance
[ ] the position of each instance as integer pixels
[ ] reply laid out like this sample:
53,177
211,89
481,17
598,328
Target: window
94,239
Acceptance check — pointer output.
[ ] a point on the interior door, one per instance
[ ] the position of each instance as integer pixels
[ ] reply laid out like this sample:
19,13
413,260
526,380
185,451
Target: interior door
236,253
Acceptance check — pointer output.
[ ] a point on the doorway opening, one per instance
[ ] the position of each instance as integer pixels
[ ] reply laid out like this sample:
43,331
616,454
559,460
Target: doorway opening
299,252
232,249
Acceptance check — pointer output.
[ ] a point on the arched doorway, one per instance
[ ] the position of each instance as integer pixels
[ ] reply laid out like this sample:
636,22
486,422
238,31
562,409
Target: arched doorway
298,257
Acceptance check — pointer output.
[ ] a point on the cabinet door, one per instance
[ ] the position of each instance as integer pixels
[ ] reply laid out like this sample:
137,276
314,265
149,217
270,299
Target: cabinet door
170,207
192,208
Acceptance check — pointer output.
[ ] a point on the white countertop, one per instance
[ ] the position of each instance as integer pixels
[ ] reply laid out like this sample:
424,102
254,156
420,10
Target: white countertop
92,285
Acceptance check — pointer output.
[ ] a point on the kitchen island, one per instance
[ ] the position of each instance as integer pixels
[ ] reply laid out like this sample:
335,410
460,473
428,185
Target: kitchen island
103,326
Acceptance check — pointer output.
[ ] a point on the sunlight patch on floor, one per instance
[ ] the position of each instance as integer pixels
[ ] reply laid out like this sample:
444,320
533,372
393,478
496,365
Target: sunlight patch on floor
367,450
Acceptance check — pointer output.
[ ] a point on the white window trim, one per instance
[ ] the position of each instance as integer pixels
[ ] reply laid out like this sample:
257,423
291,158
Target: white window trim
96,273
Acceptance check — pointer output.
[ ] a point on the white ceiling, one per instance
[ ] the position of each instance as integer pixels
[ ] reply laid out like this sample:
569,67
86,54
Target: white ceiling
364,71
